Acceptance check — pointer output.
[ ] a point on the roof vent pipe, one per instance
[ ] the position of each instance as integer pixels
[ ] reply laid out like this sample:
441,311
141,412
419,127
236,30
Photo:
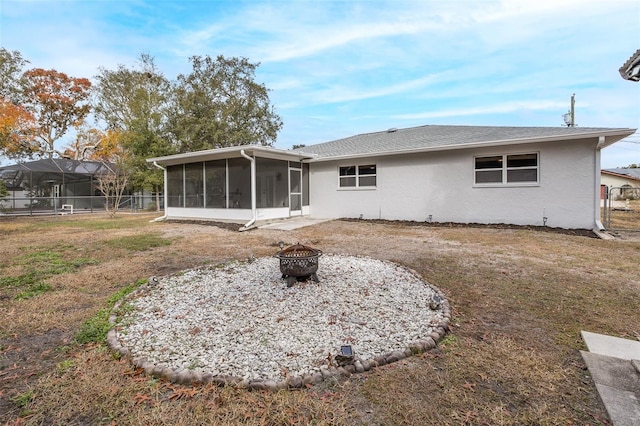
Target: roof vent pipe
392,130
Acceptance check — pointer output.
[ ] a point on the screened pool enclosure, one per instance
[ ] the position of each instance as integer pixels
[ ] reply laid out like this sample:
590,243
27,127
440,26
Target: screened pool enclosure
45,186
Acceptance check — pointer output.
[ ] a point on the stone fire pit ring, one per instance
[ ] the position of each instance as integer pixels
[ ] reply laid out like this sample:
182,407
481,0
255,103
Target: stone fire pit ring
239,324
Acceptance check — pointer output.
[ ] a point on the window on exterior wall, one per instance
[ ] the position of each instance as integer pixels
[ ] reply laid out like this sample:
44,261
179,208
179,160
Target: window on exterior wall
508,169
357,176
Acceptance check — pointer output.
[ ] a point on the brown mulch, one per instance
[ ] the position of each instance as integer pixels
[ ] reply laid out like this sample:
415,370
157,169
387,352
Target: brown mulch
578,232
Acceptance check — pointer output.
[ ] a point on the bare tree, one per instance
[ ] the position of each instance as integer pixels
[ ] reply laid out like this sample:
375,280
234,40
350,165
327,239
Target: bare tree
113,185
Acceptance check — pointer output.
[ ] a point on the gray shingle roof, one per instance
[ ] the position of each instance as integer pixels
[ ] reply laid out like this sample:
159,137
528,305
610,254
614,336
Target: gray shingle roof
434,137
630,70
632,173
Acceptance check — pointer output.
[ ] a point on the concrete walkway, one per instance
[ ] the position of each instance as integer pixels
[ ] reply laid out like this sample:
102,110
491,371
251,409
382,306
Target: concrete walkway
614,364
291,223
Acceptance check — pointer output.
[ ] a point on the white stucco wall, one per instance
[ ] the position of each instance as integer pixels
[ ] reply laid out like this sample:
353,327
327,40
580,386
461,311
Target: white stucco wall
440,185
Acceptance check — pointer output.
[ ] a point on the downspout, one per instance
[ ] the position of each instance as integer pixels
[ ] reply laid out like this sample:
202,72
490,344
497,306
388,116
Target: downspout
164,217
254,212
599,225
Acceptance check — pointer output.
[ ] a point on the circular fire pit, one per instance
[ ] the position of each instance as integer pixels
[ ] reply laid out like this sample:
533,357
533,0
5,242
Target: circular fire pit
298,263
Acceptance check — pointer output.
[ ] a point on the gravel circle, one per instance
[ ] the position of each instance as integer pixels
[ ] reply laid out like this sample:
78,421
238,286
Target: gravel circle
240,322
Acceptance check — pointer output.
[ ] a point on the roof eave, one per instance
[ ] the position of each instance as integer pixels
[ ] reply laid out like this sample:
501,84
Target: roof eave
611,137
233,151
630,70
620,175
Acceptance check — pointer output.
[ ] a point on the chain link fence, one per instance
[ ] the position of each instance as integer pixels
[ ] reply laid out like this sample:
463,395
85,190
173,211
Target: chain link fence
621,208
33,206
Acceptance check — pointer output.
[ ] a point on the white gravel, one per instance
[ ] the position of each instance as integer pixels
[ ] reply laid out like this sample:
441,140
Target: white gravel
240,319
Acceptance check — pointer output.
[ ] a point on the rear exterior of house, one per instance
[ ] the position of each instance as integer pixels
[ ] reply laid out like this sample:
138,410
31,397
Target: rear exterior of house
462,174
448,186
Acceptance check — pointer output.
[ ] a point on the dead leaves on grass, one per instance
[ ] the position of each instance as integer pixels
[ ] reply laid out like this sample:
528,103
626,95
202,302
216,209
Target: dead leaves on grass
182,392
140,398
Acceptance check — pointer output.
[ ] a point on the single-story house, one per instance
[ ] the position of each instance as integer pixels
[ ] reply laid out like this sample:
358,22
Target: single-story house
621,183
464,174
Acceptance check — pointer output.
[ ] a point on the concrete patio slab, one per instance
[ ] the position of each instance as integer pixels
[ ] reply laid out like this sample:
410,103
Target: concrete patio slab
611,346
292,223
613,365
623,407
614,372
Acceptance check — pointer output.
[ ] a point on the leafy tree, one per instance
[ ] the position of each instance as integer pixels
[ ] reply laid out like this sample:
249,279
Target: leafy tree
57,102
16,123
11,65
4,192
133,103
85,143
94,144
219,105
17,131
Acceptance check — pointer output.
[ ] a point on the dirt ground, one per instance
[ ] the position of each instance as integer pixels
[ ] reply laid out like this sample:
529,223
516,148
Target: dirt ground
519,296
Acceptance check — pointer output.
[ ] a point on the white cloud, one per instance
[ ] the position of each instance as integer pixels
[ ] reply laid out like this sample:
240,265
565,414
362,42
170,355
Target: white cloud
351,66
503,108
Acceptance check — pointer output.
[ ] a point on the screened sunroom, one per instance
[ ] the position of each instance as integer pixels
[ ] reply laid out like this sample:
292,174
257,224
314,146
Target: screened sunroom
244,183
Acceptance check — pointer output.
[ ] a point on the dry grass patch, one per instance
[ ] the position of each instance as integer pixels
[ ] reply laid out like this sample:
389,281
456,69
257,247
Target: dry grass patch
97,389
626,218
519,298
493,380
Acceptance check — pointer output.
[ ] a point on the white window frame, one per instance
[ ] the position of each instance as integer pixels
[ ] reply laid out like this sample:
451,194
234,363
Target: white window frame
505,169
357,177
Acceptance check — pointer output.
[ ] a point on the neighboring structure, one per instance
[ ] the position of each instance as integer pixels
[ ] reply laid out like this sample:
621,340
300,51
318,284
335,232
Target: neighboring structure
630,70
621,183
464,174
621,177
46,185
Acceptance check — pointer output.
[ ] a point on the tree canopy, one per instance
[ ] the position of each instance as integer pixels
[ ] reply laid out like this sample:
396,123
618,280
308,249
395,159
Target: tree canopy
17,125
219,105
57,102
11,65
134,104
138,112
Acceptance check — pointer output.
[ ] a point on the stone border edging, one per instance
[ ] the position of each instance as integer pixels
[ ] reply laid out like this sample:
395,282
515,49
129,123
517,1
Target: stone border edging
188,377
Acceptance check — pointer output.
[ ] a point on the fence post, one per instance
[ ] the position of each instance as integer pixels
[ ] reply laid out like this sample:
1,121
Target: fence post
605,210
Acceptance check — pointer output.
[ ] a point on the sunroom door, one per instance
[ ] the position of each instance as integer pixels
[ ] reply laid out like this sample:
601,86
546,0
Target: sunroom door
295,192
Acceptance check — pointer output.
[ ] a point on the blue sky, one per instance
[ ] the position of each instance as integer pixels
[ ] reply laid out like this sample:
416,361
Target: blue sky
339,68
